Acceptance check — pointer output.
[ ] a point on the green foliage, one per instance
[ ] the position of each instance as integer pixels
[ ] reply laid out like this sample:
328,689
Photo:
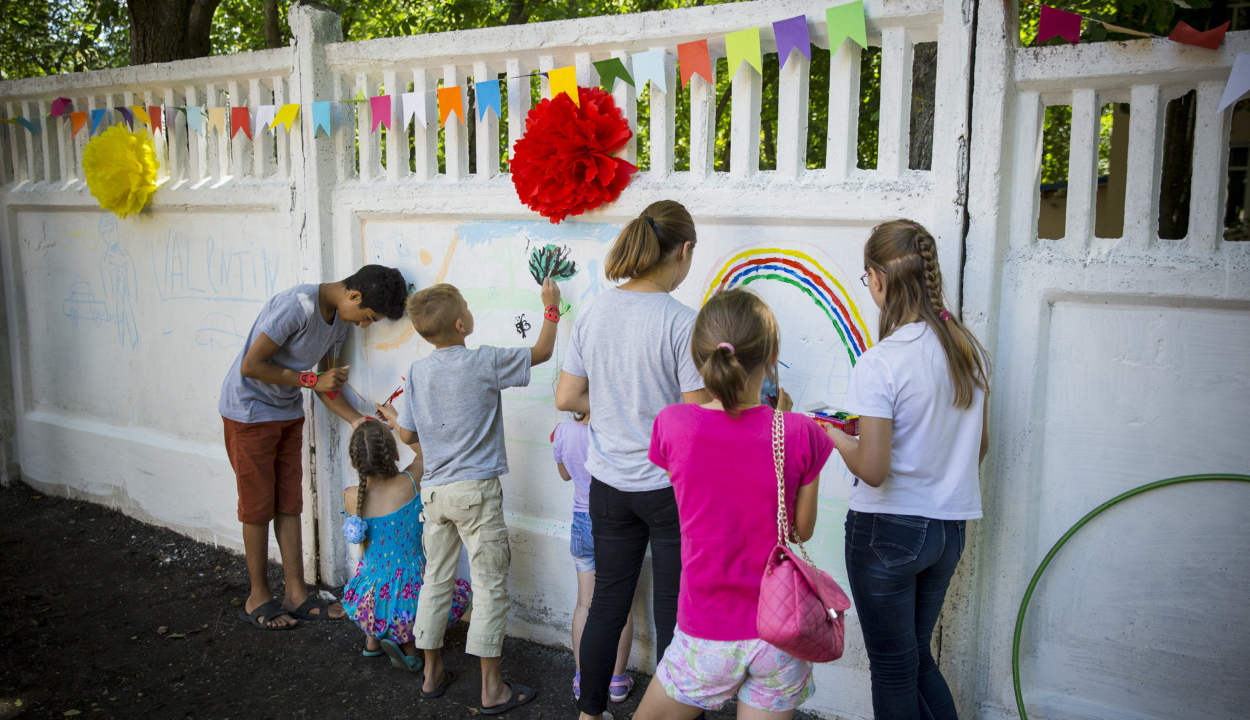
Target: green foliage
49,38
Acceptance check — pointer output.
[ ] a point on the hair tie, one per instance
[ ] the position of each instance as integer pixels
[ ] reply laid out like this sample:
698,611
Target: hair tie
651,221
946,315
727,346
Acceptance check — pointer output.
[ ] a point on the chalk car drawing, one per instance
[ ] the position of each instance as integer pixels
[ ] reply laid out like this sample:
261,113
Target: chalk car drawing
83,305
218,331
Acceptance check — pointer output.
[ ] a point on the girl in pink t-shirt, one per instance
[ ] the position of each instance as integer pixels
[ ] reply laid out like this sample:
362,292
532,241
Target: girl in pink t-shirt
719,456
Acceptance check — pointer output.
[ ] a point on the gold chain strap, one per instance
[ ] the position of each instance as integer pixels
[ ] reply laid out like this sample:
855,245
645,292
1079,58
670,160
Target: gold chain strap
784,530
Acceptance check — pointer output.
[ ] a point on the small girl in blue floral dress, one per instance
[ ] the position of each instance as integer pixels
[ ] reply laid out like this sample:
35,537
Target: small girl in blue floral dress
382,598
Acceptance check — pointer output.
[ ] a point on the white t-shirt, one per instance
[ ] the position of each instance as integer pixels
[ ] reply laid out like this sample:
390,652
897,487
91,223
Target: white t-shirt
936,447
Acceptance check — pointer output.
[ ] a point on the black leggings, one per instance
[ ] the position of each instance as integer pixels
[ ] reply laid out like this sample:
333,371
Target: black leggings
623,523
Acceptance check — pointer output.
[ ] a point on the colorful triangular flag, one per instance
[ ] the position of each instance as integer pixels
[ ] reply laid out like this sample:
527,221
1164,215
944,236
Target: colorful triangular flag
1238,81
171,117
610,71
488,98
1124,31
322,117
127,115
285,116
97,117
792,34
60,106
414,106
744,46
1209,39
450,100
564,80
77,121
28,124
264,119
141,114
694,59
649,68
1058,23
380,110
195,119
241,119
360,97
155,115
846,22
217,120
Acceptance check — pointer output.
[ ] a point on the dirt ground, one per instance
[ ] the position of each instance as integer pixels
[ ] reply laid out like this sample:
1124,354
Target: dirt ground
102,616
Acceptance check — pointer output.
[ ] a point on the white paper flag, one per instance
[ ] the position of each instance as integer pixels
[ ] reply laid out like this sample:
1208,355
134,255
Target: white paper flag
264,118
414,106
1238,82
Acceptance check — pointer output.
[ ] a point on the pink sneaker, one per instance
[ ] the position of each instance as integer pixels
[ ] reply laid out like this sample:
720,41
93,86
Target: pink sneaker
620,687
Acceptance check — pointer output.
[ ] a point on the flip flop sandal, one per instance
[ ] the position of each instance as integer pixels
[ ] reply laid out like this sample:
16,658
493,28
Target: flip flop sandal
448,678
271,610
411,663
517,690
303,611
372,653
619,690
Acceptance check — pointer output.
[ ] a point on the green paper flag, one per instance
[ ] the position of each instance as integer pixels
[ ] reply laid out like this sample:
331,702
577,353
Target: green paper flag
744,45
846,21
360,97
610,71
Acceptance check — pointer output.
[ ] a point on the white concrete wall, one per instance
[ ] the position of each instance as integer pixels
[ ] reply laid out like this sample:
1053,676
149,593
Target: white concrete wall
1117,362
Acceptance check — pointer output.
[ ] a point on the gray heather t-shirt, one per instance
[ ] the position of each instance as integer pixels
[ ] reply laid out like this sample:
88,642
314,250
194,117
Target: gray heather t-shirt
452,402
290,319
635,350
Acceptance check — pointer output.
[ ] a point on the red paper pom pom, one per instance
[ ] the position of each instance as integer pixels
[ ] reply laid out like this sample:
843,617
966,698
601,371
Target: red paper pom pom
564,164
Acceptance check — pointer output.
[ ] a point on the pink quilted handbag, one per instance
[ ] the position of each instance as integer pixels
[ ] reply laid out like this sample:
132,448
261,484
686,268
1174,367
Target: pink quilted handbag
801,607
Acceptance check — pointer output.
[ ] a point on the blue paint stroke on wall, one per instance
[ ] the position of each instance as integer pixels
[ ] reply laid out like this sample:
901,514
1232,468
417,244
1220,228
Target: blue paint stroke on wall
477,232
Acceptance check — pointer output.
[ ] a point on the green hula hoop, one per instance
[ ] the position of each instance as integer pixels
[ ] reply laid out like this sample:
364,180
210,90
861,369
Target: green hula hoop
1028,594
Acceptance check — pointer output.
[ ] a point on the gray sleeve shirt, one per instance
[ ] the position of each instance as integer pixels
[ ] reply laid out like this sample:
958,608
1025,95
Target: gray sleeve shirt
291,320
452,402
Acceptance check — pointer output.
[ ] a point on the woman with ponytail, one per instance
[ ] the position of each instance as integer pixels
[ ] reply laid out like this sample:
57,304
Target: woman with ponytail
920,393
628,358
382,597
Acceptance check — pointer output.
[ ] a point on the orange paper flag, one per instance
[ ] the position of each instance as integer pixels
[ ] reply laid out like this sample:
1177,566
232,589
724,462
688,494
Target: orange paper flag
1210,39
154,112
693,58
450,100
77,120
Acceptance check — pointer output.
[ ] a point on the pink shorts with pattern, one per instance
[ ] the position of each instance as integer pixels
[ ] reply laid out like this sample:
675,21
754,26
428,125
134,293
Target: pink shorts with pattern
707,673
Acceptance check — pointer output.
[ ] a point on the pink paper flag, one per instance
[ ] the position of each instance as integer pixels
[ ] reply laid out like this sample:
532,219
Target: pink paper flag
60,106
1057,23
380,109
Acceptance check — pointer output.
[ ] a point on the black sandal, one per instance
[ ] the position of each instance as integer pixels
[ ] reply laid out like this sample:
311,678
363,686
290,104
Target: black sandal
448,678
271,610
517,690
302,612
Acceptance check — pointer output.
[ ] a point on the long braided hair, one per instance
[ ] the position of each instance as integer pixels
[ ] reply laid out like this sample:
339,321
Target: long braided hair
373,453
906,254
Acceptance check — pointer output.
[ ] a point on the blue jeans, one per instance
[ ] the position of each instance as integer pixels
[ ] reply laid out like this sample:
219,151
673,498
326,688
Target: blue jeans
900,567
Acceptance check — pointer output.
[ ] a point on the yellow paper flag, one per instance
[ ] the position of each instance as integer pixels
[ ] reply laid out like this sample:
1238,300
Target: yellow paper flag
564,80
285,117
744,45
1125,31
217,120
141,113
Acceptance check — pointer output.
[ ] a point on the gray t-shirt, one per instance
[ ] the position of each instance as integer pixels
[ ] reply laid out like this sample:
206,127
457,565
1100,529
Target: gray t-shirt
452,402
292,320
635,350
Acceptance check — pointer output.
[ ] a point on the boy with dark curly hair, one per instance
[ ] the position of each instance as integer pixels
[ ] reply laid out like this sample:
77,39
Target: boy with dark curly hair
263,410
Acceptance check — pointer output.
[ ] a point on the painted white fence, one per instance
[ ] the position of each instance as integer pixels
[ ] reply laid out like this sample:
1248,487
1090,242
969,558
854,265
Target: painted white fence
119,332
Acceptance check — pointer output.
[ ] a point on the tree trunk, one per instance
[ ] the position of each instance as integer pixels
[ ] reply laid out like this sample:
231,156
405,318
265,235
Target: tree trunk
273,36
165,30
1178,152
923,96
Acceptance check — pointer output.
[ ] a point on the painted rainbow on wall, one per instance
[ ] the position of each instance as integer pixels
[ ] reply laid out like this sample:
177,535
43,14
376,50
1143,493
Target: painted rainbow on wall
803,272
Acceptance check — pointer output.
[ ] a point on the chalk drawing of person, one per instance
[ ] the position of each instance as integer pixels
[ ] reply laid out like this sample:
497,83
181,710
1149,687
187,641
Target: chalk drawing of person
592,269
119,281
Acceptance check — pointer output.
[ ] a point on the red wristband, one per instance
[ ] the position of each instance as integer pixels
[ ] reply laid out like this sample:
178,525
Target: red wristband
552,313
308,379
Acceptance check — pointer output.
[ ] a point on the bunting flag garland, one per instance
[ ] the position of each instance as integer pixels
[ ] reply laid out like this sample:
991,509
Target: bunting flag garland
414,106
322,118
694,59
450,101
154,115
77,121
744,46
195,120
1058,23
285,116
649,67
263,120
792,34
380,111
846,22
360,97
488,98
60,106
240,119
141,114
1124,31
564,80
97,117
1238,82
610,71
1210,39
24,122
171,117
127,115
217,120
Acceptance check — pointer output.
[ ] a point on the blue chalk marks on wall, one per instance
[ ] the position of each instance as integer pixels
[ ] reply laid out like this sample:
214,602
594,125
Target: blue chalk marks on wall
83,305
219,331
118,283
188,268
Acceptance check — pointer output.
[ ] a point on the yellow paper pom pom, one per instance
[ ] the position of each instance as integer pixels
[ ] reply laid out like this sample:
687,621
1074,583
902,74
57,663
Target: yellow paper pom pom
120,167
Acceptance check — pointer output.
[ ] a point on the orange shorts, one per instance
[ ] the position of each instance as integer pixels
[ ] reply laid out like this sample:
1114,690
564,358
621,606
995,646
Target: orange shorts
268,467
